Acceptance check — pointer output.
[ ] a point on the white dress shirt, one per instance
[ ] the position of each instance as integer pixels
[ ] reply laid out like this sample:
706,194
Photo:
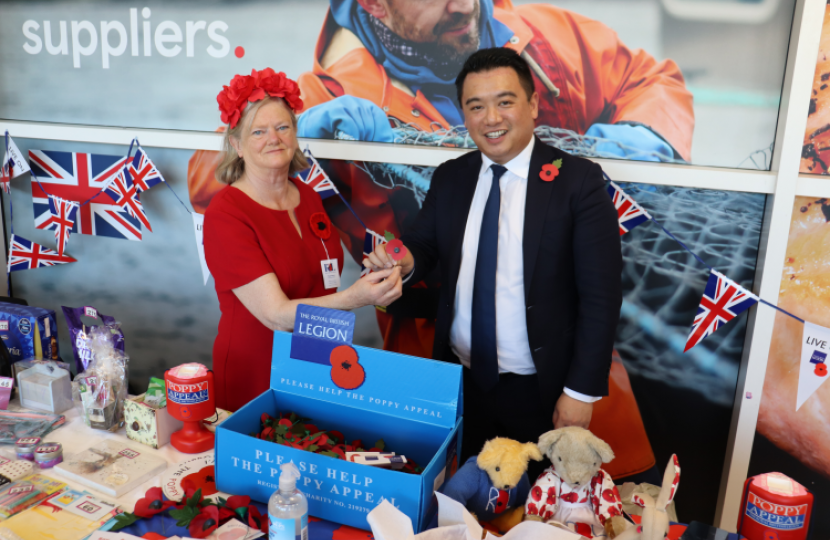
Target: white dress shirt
512,344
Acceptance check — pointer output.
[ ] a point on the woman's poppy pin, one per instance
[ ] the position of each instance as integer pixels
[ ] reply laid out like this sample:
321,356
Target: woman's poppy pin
550,170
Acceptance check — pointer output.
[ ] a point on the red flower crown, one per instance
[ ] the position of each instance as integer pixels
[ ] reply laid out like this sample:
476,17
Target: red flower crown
250,88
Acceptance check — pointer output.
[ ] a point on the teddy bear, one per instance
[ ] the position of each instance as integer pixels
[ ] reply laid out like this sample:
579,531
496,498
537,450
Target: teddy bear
494,485
574,491
654,524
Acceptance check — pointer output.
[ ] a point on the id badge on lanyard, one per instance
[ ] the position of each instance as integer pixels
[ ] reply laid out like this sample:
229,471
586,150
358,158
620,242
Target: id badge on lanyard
331,271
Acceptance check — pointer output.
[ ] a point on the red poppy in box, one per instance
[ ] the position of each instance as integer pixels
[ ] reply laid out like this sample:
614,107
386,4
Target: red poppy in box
320,225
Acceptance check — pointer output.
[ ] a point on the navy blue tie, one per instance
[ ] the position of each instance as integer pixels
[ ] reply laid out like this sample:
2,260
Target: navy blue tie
484,360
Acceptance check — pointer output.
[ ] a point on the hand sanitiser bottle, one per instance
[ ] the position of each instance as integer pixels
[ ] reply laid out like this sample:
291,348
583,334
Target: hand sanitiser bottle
288,508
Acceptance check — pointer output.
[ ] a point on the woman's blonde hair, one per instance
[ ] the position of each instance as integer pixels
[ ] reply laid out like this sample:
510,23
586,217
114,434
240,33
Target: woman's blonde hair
231,166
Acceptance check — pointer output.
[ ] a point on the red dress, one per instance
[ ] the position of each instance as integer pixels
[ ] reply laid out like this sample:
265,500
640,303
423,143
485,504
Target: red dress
243,241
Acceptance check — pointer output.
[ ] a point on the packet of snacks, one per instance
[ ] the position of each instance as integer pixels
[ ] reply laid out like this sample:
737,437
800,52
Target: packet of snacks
79,333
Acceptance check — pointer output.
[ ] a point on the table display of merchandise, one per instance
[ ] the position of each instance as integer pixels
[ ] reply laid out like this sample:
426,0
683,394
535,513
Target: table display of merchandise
339,444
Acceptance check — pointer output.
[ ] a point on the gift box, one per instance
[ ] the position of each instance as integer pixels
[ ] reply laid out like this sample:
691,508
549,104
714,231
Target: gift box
147,425
28,331
412,403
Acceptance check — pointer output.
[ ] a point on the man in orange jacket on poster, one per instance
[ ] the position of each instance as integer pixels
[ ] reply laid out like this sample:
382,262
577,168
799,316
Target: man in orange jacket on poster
384,64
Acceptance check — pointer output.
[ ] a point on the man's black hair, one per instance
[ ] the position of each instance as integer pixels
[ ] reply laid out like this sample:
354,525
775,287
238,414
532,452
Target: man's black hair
489,59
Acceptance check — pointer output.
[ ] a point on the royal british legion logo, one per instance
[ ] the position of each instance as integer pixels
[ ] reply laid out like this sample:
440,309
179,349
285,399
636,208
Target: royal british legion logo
775,516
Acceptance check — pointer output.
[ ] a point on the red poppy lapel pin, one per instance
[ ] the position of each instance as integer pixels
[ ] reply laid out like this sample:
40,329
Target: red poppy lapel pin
394,247
320,225
550,170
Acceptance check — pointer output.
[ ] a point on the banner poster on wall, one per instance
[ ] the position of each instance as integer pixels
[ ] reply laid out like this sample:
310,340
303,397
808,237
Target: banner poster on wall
658,80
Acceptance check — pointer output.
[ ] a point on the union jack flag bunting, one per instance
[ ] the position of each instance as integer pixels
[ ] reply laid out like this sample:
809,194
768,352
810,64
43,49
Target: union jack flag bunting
13,164
143,172
79,177
722,301
371,241
317,178
26,255
629,213
125,194
63,217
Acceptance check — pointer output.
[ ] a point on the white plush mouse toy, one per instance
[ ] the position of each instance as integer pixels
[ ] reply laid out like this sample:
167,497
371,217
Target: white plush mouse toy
574,491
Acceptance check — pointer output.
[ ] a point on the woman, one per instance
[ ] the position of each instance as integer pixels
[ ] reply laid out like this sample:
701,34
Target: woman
268,242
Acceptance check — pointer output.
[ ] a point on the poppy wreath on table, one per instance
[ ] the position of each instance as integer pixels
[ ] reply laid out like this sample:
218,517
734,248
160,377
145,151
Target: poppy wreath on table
292,430
201,516
320,225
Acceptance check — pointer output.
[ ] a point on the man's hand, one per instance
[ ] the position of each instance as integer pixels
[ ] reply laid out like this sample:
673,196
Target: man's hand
380,260
572,412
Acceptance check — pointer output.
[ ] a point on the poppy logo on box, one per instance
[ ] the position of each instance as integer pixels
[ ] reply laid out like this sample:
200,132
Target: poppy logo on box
82,38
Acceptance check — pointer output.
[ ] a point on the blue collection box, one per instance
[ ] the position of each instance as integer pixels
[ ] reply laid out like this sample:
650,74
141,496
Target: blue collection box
412,403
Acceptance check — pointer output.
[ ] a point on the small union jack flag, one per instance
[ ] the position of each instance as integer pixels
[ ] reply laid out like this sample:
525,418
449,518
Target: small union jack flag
6,172
143,172
722,301
63,218
26,255
629,213
125,194
80,177
371,241
317,178
13,164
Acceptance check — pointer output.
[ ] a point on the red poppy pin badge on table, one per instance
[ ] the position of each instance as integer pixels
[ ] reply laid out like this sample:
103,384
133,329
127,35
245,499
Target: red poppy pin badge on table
550,170
320,225
394,247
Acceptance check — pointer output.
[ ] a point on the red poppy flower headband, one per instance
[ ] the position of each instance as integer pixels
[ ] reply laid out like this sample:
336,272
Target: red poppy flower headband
250,88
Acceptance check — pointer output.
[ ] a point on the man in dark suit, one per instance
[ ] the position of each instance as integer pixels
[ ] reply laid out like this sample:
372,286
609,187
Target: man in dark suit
529,251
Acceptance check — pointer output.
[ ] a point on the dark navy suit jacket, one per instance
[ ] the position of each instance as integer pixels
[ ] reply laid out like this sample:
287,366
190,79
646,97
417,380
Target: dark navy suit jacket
572,265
